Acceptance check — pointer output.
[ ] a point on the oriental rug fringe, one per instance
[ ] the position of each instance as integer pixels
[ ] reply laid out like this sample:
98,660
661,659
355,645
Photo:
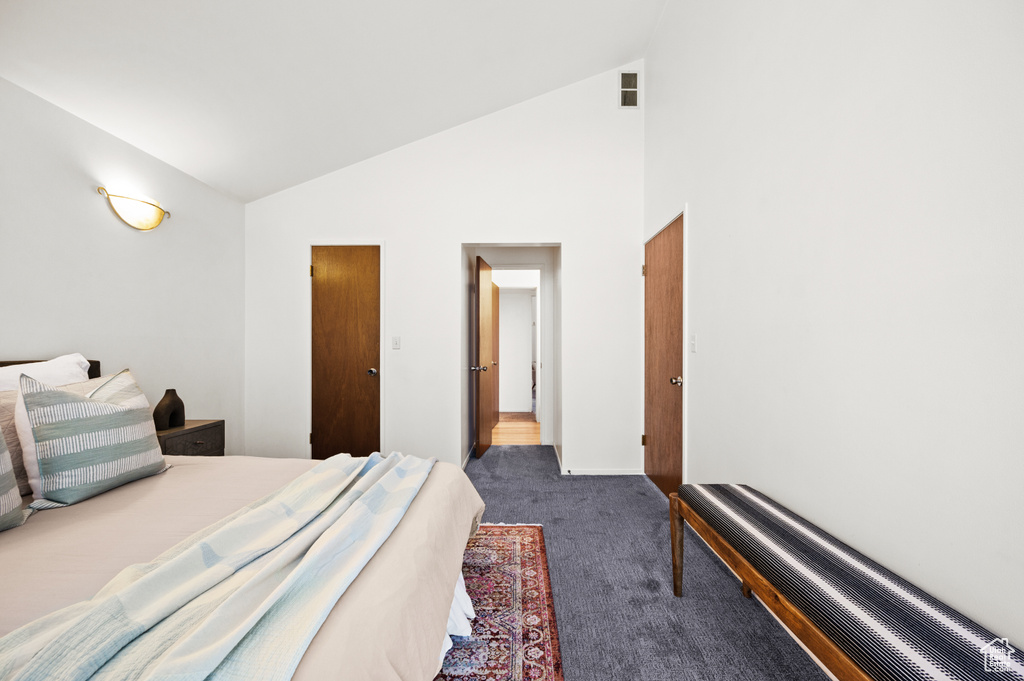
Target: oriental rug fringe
514,634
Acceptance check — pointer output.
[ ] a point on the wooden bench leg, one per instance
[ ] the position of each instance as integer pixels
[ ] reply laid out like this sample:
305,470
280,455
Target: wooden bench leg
676,521
827,651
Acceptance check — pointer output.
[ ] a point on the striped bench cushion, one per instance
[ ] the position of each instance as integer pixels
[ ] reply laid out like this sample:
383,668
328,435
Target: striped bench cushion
885,624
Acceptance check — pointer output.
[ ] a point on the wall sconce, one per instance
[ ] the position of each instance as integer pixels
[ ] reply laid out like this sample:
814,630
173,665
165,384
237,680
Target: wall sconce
139,213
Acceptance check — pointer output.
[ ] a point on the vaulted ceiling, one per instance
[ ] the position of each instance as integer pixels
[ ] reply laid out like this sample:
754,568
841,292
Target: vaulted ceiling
255,96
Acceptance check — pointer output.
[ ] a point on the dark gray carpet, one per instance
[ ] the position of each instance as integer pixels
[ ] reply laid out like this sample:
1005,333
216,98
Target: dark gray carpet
608,551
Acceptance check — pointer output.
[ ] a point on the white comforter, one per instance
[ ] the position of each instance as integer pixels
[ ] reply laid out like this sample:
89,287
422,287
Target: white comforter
359,636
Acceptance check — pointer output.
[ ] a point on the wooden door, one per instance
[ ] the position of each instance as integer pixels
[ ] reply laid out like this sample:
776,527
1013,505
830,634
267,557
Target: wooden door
663,357
346,350
486,398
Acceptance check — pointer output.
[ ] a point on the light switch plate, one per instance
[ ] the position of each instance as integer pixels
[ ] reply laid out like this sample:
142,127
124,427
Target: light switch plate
396,342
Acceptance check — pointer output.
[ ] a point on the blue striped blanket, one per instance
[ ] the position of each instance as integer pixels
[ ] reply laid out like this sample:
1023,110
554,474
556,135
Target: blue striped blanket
241,599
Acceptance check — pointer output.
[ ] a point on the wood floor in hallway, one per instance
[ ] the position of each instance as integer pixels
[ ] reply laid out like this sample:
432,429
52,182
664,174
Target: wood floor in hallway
516,433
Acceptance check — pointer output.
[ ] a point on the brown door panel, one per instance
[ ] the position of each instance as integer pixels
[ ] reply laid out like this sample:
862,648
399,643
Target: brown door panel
346,346
663,357
486,404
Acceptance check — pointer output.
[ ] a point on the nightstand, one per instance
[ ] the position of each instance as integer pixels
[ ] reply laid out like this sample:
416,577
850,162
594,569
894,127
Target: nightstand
195,438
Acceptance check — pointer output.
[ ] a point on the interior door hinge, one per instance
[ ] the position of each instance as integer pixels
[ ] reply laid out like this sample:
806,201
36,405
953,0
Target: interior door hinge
311,438
643,440
311,270
643,271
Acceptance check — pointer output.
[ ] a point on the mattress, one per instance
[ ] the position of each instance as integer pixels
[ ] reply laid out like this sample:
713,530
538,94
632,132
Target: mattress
389,624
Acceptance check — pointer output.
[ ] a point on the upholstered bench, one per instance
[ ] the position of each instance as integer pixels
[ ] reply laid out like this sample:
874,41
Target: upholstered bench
859,619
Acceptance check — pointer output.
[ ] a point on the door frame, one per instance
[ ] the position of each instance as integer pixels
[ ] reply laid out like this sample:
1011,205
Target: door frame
307,320
687,331
548,399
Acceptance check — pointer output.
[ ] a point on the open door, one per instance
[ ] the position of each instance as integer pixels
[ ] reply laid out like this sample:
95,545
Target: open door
486,332
663,357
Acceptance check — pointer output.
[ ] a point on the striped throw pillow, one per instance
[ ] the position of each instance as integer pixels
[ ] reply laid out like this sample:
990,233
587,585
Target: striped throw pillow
76,447
8,402
11,514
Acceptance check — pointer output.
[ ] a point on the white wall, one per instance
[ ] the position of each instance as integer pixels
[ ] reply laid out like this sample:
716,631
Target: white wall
557,387
510,279
515,345
535,331
853,172
166,303
563,168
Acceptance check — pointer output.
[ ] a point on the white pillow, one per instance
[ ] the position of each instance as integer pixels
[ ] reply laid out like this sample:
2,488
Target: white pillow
60,371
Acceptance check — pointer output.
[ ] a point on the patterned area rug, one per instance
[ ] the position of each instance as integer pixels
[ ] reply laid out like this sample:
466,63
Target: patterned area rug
514,633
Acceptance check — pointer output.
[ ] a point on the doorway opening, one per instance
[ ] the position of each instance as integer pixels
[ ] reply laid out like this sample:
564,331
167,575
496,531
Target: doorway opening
518,317
519,396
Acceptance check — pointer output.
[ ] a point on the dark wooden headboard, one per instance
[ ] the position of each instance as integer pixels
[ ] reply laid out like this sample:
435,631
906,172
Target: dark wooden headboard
94,365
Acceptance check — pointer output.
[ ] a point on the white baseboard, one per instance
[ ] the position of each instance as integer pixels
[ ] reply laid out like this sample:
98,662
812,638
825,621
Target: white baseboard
604,471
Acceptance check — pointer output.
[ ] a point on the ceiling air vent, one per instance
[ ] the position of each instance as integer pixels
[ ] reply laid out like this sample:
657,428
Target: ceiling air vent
629,93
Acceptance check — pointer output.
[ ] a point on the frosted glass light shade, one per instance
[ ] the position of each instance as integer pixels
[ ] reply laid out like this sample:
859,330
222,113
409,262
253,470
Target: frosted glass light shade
138,213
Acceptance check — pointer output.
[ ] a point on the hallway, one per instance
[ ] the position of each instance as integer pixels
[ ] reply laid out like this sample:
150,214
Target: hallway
516,428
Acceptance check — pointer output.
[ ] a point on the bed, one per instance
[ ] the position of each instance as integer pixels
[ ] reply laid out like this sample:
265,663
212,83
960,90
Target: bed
389,624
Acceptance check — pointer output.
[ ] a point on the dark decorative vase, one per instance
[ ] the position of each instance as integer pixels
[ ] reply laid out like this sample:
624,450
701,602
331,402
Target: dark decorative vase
169,411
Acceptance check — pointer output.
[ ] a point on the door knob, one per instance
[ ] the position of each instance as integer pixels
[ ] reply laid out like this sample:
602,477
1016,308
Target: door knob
483,368
676,381
371,372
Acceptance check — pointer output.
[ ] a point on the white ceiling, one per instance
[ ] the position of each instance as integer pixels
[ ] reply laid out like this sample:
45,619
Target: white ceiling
254,96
